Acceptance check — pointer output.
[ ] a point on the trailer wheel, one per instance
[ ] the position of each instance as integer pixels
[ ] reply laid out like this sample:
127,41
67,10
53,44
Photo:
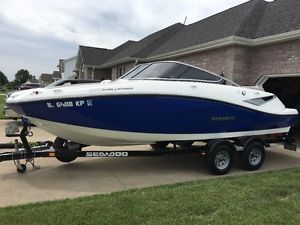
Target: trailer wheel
63,152
159,146
253,155
220,157
22,169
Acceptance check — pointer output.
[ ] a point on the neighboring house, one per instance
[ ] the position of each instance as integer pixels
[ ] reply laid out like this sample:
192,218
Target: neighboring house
33,80
66,67
46,78
90,59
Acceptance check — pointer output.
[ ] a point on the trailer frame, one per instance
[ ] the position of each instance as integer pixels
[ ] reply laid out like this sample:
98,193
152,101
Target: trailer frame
214,150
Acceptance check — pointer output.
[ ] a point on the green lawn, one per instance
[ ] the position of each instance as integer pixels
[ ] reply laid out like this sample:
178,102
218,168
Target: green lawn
2,102
261,198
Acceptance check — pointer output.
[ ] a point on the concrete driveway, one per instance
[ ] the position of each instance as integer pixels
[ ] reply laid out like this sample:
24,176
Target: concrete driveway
83,177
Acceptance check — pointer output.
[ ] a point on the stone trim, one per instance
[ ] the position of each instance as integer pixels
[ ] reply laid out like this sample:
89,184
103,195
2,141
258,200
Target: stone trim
260,82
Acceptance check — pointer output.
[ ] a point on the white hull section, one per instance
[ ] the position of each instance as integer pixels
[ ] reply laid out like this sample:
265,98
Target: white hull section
93,136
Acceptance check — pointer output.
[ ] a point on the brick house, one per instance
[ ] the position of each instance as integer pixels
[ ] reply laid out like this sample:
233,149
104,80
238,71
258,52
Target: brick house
257,42
246,42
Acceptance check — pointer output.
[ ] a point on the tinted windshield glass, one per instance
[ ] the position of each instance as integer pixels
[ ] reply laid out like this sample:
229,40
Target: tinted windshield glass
135,71
170,70
29,86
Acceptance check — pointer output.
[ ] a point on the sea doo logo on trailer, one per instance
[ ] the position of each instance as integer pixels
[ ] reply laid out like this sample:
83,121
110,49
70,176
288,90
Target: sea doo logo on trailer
106,154
68,104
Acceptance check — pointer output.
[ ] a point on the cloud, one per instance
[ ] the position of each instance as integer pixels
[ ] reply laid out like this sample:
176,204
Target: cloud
35,34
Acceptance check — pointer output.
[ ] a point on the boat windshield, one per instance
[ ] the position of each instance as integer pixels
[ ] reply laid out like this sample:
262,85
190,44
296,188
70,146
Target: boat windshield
172,71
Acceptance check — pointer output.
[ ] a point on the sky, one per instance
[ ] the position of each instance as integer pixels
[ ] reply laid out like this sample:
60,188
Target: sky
35,34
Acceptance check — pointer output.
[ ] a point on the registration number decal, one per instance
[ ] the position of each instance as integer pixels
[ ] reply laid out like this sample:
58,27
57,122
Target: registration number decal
68,104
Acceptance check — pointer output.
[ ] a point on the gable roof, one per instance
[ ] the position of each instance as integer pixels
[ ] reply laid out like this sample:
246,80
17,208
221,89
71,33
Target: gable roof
253,19
145,46
93,55
122,47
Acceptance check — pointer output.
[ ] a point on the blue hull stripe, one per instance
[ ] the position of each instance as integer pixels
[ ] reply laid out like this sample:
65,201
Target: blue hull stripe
153,114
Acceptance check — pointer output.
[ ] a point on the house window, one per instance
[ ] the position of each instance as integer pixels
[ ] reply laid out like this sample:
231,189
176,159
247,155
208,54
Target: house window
120,71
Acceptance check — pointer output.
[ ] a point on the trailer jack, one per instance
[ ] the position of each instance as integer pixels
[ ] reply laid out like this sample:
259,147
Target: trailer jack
22,151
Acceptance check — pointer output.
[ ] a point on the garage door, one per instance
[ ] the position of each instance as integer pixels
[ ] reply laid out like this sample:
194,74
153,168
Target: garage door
287,89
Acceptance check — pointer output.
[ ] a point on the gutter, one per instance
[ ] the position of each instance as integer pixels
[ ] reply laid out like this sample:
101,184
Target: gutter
223,42
228,41
118,62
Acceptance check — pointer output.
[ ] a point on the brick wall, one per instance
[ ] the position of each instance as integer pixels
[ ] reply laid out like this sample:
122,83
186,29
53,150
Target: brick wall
217,60
243,65
283,58
246,65
232,61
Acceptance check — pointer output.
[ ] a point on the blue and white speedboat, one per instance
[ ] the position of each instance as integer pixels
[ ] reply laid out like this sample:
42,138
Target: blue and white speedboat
154,102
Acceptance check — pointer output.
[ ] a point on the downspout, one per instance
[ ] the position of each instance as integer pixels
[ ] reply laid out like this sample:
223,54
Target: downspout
93,73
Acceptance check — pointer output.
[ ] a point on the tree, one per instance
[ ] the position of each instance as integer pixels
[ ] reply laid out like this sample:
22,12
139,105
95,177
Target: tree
12,85
3,79
22,76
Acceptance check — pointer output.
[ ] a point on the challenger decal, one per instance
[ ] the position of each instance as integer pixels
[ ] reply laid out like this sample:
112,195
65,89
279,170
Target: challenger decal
117,89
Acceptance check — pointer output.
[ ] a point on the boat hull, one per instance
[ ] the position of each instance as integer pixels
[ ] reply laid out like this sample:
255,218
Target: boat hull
145,119
101,137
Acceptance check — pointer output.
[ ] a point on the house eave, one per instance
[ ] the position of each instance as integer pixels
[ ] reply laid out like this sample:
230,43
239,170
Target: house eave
228,41
118,62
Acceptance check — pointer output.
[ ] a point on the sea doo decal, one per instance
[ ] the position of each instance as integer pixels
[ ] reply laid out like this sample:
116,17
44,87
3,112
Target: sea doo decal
106,154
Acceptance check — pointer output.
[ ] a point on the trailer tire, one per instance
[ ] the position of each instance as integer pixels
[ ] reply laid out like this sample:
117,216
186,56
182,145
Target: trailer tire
220,156
253,155
62,152
159,146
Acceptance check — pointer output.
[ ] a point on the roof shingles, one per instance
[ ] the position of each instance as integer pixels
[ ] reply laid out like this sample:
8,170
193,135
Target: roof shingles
252,19
145,46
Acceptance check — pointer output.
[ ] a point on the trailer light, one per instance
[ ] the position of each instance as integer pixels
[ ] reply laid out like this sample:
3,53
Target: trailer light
51,154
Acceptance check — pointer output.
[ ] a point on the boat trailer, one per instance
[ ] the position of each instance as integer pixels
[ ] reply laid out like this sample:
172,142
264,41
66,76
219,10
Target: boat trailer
44,149
251,151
